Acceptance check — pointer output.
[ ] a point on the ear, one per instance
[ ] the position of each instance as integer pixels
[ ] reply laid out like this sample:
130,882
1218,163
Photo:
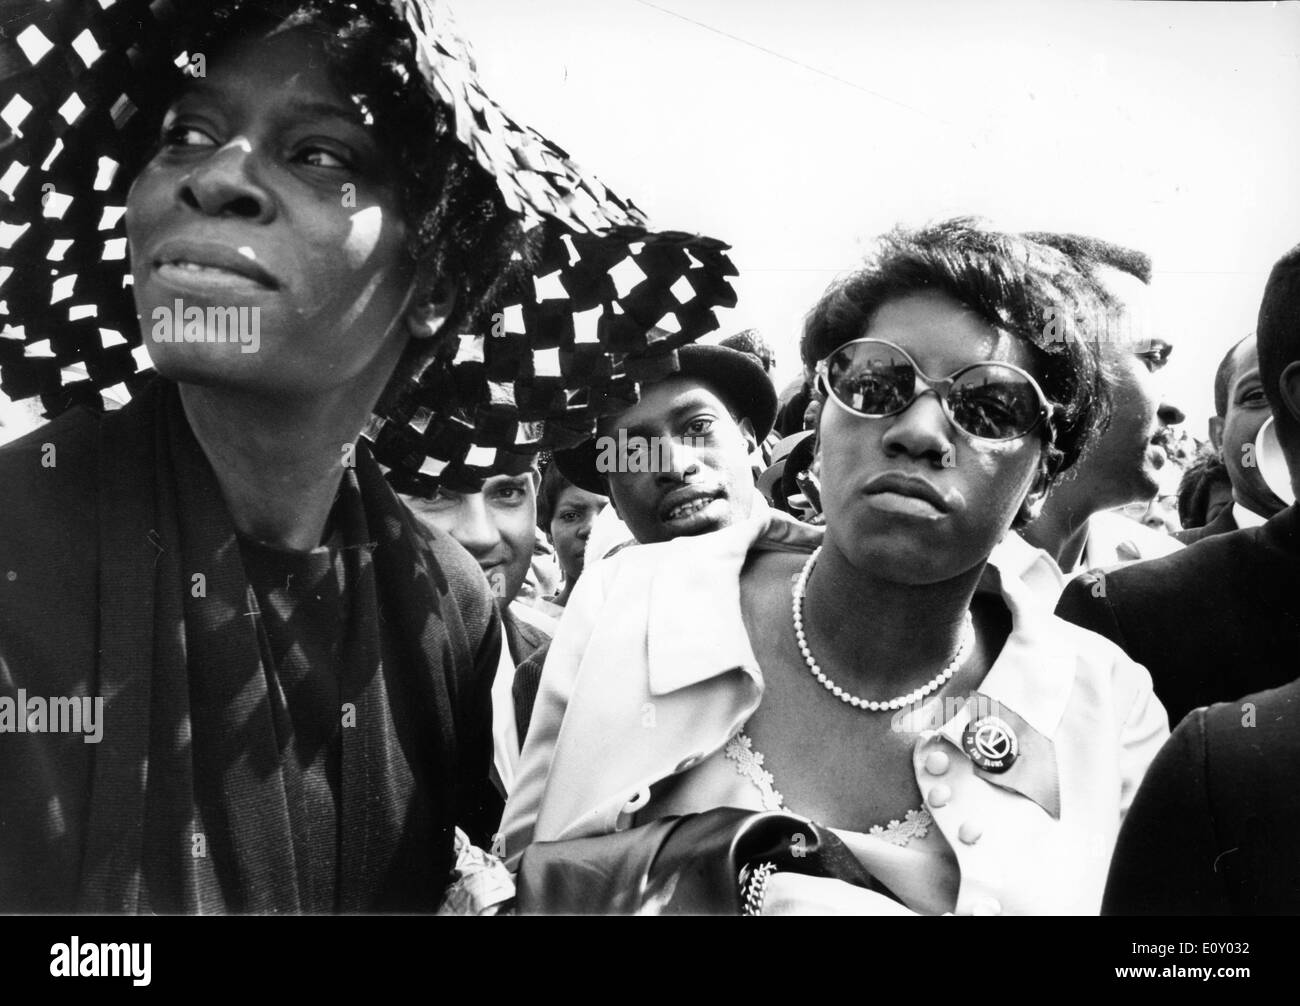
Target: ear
425,319
747,431
1216,433
1289,385
1031,507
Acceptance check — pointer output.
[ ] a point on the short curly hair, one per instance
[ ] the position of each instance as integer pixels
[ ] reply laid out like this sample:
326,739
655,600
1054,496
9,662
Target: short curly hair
548,494
1013,284
1199,480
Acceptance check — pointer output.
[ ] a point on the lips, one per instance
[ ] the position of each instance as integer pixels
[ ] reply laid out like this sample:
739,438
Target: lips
209,262
911,486
683,503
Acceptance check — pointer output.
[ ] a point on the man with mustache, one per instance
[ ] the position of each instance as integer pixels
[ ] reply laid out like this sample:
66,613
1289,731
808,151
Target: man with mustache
1212,830
1220,619
1076,531
1240,408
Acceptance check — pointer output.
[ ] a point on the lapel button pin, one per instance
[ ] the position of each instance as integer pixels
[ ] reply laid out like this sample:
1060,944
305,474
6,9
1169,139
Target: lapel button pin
991,744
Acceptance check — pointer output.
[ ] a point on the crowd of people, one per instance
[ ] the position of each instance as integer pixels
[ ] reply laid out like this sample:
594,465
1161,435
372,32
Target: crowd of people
482,585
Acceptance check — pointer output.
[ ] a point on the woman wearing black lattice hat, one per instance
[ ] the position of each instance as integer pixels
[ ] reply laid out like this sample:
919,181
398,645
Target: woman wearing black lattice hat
233,676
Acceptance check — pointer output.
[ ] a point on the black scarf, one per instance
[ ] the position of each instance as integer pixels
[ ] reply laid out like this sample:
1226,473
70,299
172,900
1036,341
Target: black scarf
188,810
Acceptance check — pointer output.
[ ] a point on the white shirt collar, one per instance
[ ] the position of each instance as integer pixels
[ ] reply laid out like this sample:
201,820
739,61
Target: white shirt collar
1246,518
505,733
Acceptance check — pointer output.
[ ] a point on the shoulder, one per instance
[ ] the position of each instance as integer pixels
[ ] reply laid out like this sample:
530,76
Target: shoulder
1098,659
685,558
50,479
53,453
459,582
1223,522
526,629
1260,726
1180,572
1089,673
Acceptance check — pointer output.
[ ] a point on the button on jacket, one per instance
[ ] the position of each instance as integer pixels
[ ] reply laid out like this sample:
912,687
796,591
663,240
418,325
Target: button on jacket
651,673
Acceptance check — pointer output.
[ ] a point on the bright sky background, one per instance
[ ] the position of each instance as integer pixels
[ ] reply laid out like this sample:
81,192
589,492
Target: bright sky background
798,130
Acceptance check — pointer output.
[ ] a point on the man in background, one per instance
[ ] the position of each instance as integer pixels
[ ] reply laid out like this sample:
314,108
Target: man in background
1240,408
1221,619
1076,529
698,428
496,523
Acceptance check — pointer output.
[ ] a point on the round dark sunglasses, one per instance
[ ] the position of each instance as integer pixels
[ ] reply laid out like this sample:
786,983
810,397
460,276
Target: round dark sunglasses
990,401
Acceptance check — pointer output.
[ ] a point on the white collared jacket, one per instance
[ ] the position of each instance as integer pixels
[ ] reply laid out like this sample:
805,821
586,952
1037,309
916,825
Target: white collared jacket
651,674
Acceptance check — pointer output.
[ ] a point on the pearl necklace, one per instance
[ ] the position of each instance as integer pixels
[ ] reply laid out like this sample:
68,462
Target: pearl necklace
967,641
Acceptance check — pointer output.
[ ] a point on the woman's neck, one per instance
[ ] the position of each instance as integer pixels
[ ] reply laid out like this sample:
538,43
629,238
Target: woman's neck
882,636
1061,530
278,460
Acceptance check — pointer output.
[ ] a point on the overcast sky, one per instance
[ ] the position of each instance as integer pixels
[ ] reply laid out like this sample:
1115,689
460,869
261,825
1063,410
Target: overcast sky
798,130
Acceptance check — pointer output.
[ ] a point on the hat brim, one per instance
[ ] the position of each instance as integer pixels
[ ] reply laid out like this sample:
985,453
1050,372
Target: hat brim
736,377
605,289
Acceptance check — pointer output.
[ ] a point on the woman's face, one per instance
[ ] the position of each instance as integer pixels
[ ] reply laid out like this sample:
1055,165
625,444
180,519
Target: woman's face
269,216
575,512
980,485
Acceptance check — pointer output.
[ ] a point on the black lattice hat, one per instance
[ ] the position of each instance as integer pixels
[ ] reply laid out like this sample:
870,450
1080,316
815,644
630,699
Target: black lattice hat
604,305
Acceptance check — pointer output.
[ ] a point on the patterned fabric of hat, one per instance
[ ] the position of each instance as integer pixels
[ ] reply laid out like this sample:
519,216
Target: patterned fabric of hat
603,305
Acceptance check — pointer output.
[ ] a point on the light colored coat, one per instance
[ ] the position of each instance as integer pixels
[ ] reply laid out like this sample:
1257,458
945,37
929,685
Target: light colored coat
651,673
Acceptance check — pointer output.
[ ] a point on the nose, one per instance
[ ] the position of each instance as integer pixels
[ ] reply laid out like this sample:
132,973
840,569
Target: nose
584,529
922,430
474,527
226,184
677,461
1169,415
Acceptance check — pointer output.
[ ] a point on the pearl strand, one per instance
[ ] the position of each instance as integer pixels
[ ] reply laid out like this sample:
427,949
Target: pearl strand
967,641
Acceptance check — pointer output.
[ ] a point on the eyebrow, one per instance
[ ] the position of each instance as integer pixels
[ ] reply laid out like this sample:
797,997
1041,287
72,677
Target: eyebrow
305,108
676,415
326,110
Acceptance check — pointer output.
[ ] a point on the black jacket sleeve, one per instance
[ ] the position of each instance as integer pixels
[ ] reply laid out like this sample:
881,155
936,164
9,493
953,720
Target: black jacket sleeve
1168,859
1085,603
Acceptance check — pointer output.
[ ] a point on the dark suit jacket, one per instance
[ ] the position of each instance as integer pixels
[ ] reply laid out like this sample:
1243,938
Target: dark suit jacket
1223,523
1212,622
1214,827
528,678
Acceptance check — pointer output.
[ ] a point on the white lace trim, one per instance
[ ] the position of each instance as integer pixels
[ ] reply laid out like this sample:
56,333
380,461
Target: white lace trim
915,824
749,763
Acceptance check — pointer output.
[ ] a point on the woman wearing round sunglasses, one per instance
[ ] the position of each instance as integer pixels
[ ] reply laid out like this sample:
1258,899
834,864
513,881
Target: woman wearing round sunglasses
974,752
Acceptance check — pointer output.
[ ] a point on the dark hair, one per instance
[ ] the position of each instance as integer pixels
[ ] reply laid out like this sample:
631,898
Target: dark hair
1207,471
1223,378
548,495
1007,281
1278,332
462,237
1088,252
751,341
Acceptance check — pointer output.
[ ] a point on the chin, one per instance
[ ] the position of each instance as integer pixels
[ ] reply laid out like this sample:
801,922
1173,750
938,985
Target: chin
200,365
900,560
909,557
